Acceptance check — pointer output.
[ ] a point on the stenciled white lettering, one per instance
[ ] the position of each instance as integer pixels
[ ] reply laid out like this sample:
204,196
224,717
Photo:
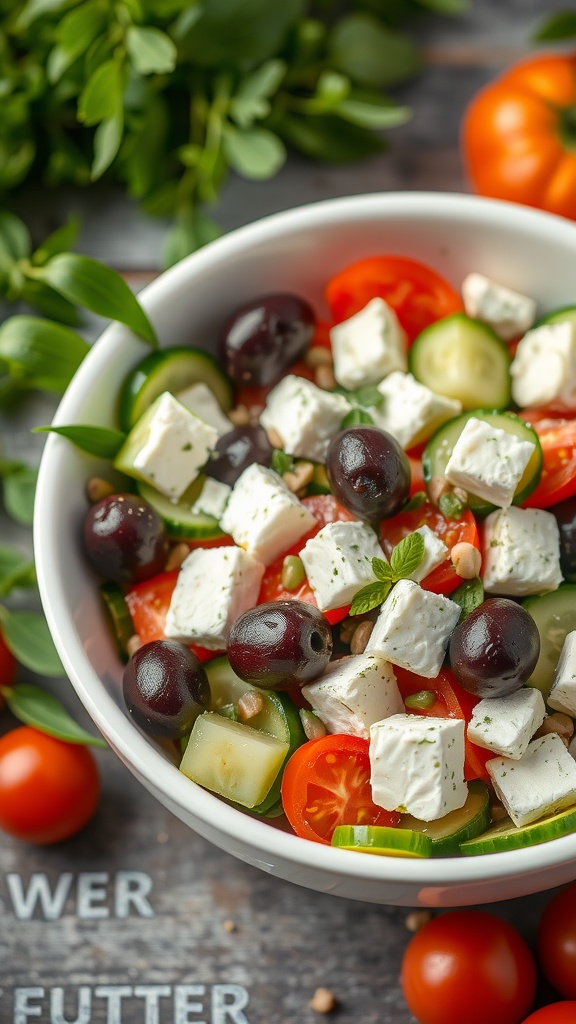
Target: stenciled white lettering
183,1007
39,891
132,889
114,994
84,1004
22,1009
152,994
222,1010
129,893
191,1004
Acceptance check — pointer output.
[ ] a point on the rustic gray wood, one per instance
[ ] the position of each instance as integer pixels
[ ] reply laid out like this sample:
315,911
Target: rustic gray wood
73,959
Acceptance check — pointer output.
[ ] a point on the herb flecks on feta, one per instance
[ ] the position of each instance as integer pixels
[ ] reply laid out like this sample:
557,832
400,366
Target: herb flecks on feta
414,628
521,552
212,498
544,367
488,462
506,725
203,403
353,693
507,312
338,562
305,416
368,346
410,411
541,783
563,693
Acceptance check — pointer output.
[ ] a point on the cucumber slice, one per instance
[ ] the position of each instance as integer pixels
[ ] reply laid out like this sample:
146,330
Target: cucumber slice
555,617
172,369
454,828
441,445
319,483
567,314
233,760
120,618
507,836
378,839
279,717
464,359
179,519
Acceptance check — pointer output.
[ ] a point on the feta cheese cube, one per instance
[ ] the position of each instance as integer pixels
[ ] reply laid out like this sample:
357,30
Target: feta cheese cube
417,765
507,724
304,416
171,445
410,411
204,404
212,498
263,516
521,552
488,462
507,312
544,367
413,629
563,693
214,587
542,782
435,552
368,346
353,693
338,562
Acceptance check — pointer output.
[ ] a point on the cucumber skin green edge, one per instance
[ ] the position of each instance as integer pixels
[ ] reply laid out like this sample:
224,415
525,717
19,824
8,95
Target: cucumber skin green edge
533,834
420,845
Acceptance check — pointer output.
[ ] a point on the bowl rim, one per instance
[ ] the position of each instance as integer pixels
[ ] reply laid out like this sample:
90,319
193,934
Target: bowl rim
134,749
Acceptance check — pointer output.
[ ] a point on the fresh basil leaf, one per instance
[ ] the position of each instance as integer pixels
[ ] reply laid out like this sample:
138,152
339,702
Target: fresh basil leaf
382,570
86,282
41,349
262,83
362,47
16,159
374,116
234,32
36,707
150,50
560,25
280,462
19,492
469,595
15,241
15,571
355,418
369,597
49,303
61,240
74,34
107,140
325,137
35,9
102,94
27,636
254,153
98,441
407,555
191,231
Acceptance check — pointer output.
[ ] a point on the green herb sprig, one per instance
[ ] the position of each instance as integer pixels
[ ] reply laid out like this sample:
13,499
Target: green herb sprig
404,560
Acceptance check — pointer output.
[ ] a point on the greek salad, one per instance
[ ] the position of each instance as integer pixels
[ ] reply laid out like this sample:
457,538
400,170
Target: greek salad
342,569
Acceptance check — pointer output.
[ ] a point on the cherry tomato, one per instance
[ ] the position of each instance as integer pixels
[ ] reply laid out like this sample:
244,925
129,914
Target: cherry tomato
468,967
519,135
326,509
418,295
327,783
556,1013
452,701
444,579
48,789
558,440
557,942
148,604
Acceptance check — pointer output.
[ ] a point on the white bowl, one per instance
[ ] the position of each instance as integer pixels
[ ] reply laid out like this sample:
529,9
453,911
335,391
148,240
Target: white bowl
293,251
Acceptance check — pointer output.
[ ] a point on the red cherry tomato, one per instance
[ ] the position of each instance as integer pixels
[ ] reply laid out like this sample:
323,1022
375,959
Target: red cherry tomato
418,295
327,783
556,1013
444,579
148,604
452,701
468,967
48,789
557,942
558,440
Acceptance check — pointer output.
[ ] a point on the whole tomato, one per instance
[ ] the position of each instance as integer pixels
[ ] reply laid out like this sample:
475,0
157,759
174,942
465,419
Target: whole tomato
555,1013
48,789
557,942
519,135
468,967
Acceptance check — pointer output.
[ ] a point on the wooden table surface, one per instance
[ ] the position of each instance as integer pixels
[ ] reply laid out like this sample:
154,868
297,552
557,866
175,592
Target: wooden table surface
128,923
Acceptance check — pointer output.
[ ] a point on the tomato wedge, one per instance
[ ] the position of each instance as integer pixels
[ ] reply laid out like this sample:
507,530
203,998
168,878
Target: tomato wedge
148,604
452,701
326,509
327,783
418,295
558,440
444,579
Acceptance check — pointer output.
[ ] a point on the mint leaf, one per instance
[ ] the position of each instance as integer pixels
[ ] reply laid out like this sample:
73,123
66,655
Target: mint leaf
382,570
469,595
371,596
407,555
355,418
280,462
43,710
98,441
